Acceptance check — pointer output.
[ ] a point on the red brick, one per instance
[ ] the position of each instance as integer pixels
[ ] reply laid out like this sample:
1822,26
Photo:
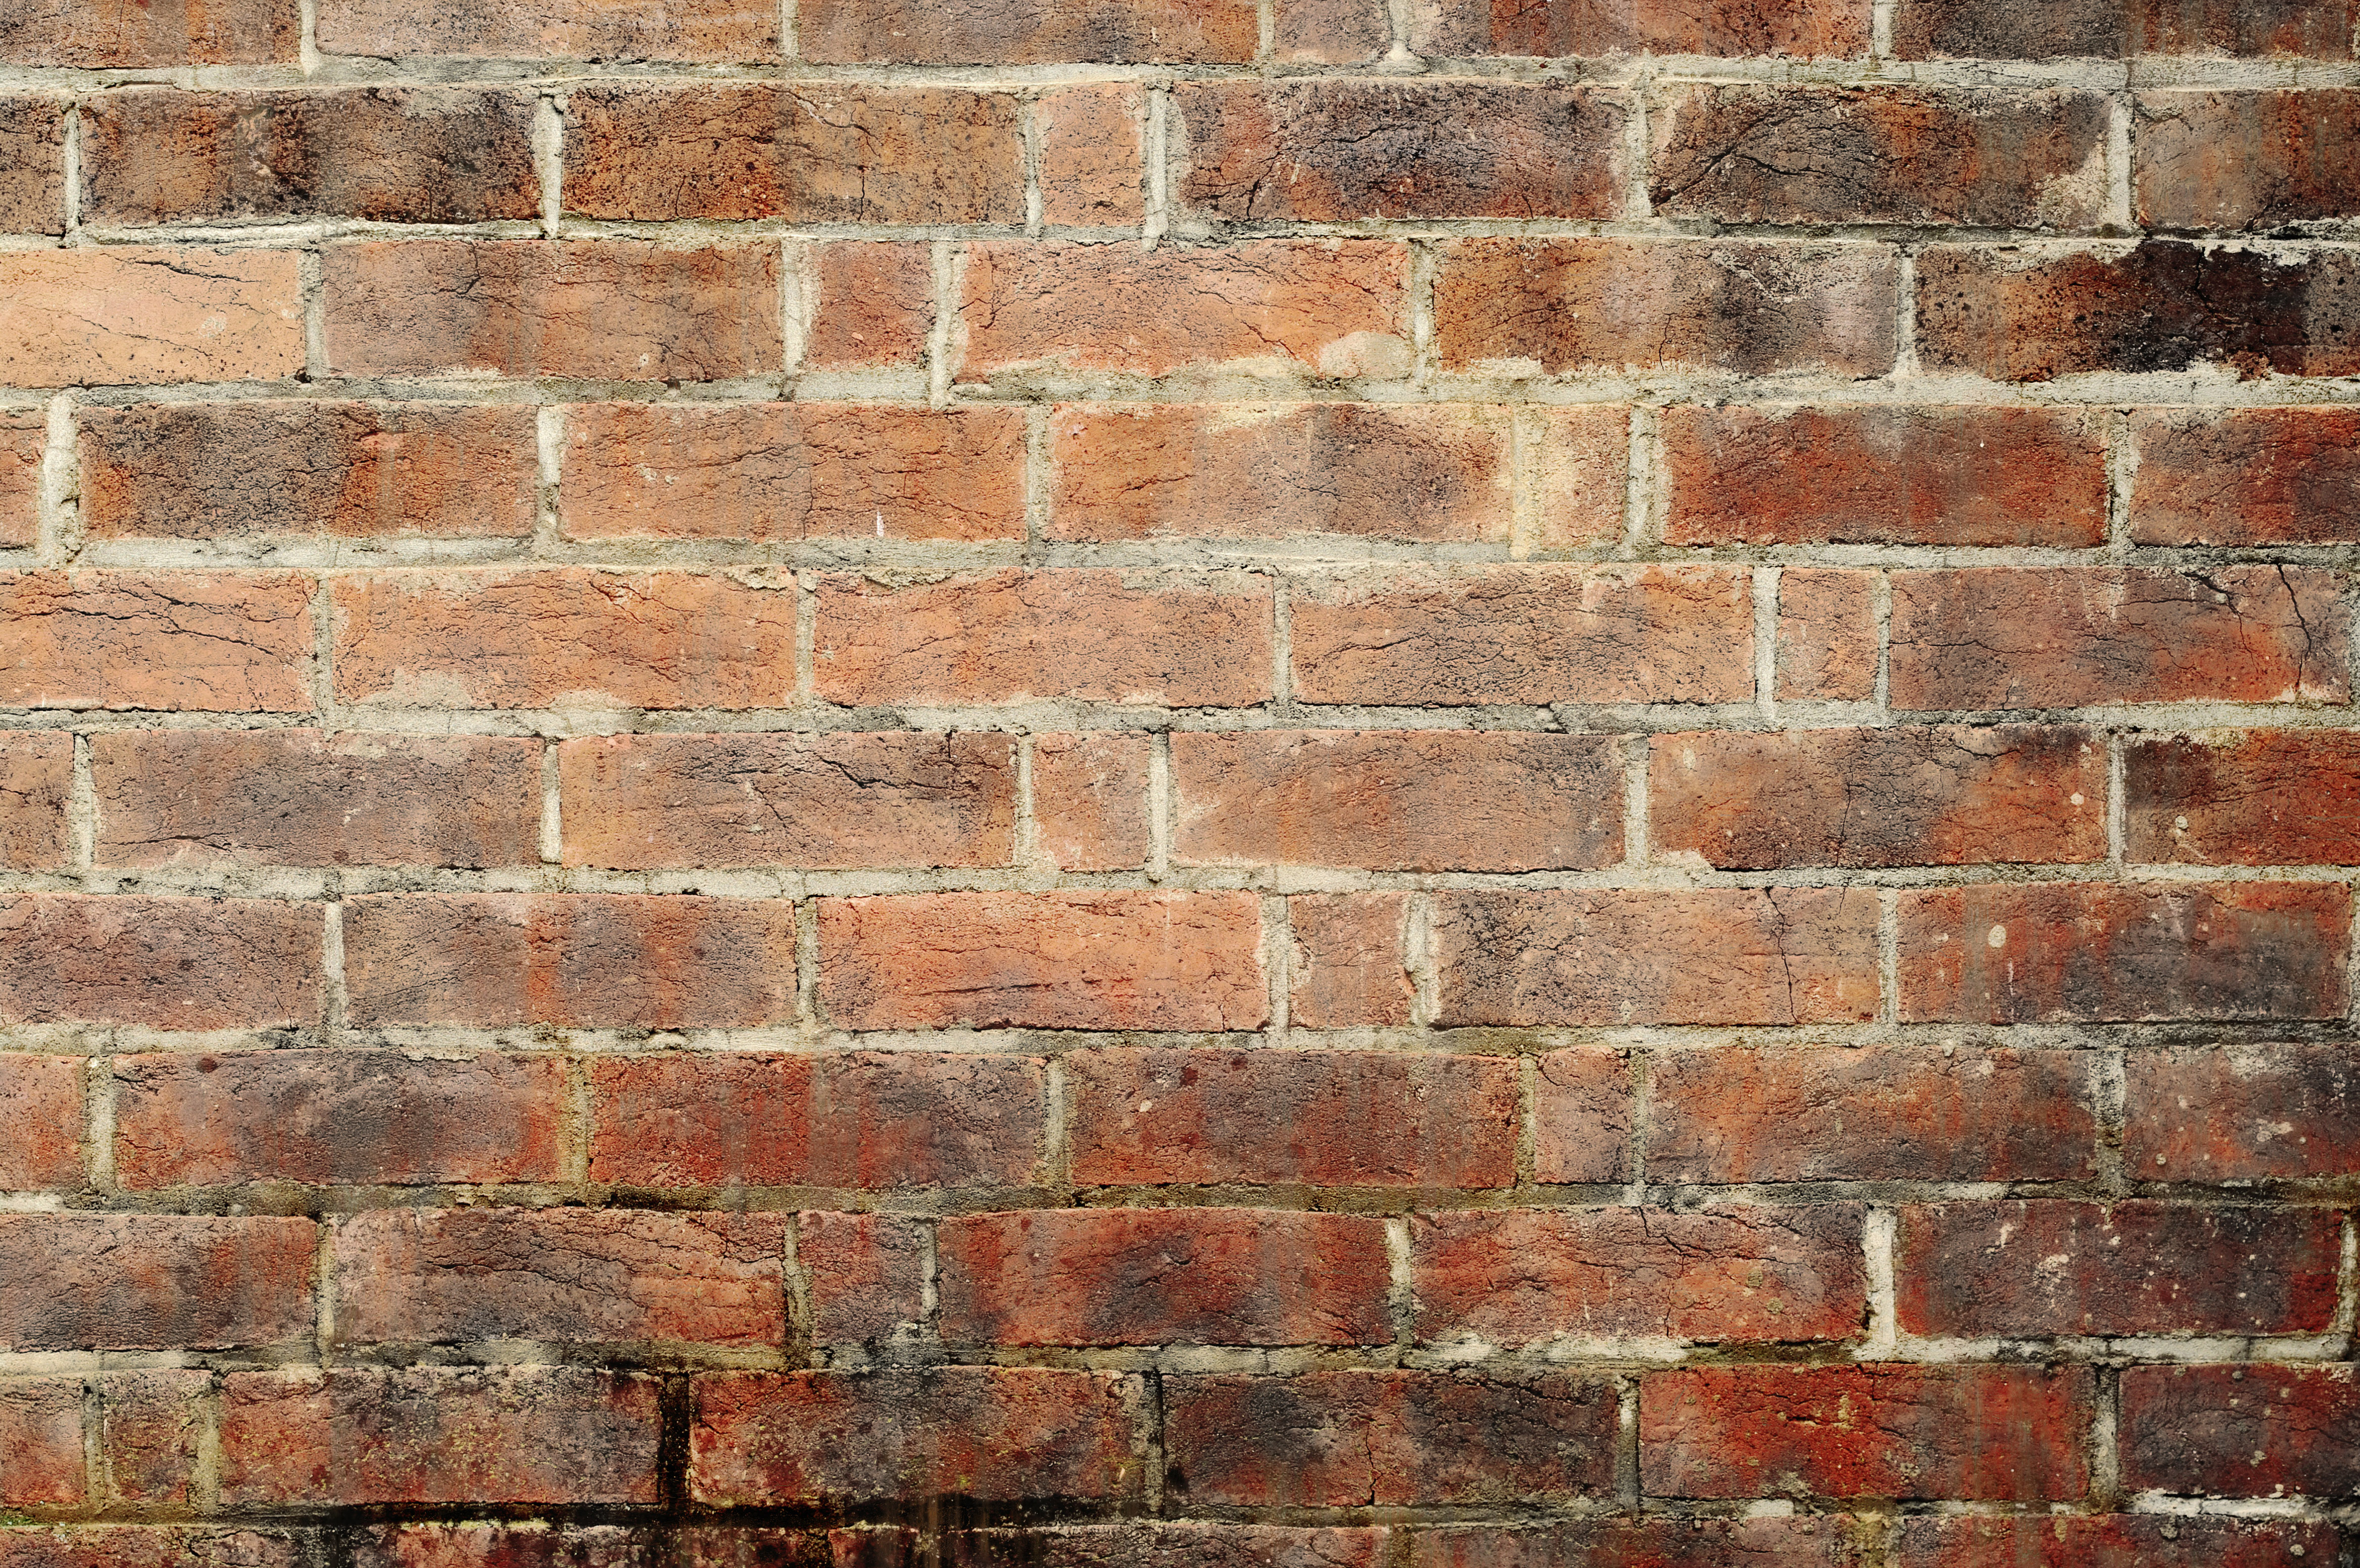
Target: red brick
525,1545
503,637
1653,27
1522,1277
2246,797
1948,795
306,797
1721,955
336,1116
214,641
615,310
1581,1115
1534,634
866,304
1145,1118
41,1432
93,35
830,800
1398,800
1608,304
581,961
2245,477
2042,29
1388,1439
2241,1113
434,1434
169,963
1329,308
1030,32
1089,800
150,1428
1093,144
1109,1276
1331,32
854,1120
866,1274
1878,474
153,1282
2245,161
1795,1541
2007,637
1337,151
1827,635
24,442
1880,1113
2111,1541
149,1546
41,1106
35,777
1350,960
1180,639
32,162
701,31
986,1433
2089,953
1998,1432
2240,1431
1044,960
128,315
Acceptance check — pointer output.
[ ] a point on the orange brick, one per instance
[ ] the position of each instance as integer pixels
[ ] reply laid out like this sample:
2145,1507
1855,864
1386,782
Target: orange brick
1582,1105
2246,797
1030,32
41,1430
32,162
1350,965
95,35
866,304
150,1431
2245,477
169,963
1827,635
2247,161
1093,155
1656,26
24,442
154,1282
35,777
136,314
198,641
1089,800
700,31
41,1101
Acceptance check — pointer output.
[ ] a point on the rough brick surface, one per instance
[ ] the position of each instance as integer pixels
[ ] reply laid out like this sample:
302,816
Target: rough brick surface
171,963
2257,797
41,1097
2240,1431
1734,27
153,1282
2247,477
2228,1113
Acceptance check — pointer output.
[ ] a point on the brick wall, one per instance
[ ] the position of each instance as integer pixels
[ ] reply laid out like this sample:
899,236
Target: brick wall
1167,783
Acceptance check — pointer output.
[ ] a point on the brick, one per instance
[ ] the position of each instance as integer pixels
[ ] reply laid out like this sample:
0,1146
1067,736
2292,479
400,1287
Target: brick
1111,1277
1795,1541
2087,953
2111,1541
95,35
1533,634
1089,800
434,1434
1030,32
866,1274
866,304
2245,161
1999,1432
1398,800
2245,797
2241,1113
2240,1431
613,310
149,1546
2005,637
1582,1104
1945,795
169,963
24,442
1144,1118
1330,32
2029,29
525,1545
1745,475
1610,304
1093,144
1878,1114
810,153
1282,308
136,314
2245,477
150,1431
212,642
1350,960
41,1106
1388,1439
503,637
153,1282
332,1117
1723,956
1337,151
788,471
1630,27
41,1430
988,1433
1178,639
2165,305
306,797
32,162
867,1119
1044,960
1827,635
1524,1277
581,961
699,31
1176,1544
35,778
831,800
254,469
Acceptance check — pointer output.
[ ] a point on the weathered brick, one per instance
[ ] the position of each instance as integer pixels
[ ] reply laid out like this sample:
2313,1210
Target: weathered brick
1044,960
1351,961
2012,637
1795,1541
866,1274
988,1433
1581,1115
24,441
2111,1541
35,778
40,1103
1999,1432
618,309
1030,32
1109,1276
169,963
866,304
336,1116
2087,952
583,961
1398,800
1388,1439
1723,956
214,641
2241,1113
787,471
1727,27
1827,635
150,1546
137,314
2245,477
1176,1544
701,31
2245,797
1521,1276
2247,161
1093,144
239,470
32,162
153,1282
1609,304
1881,1113
1089,800
1946,795
1145,1118
1745,475
522,1545
2045,29
95,35
306,797
41,1432
150,1432
2240,1431
856,1120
